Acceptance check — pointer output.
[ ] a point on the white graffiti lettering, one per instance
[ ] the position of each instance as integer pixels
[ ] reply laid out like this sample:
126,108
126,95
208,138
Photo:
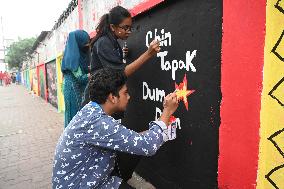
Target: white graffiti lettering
175,65
153,94
159,113
165,38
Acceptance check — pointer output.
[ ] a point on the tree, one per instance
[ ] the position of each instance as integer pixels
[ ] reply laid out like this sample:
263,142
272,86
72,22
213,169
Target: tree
19,51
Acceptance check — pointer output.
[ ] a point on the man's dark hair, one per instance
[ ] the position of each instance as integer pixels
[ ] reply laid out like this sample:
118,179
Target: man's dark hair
104,82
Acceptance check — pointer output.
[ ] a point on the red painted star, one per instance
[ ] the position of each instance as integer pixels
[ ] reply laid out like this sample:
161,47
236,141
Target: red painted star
172,119
182,92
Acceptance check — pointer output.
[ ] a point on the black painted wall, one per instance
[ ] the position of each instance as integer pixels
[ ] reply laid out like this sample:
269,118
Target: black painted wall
190,161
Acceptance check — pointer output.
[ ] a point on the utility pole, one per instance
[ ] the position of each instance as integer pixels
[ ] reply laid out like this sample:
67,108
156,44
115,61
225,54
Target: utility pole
5,44
3,48
2,29
3,39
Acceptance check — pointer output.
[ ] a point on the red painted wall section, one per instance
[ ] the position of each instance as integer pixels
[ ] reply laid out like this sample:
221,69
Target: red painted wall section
37,74
145,5
41,66
242,65
45,86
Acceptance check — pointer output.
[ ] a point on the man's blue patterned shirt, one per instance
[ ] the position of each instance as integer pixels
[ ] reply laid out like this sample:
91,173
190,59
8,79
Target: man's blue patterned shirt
85,153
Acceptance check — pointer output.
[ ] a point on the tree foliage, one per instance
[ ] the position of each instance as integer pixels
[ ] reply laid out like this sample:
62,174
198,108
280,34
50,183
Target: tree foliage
19,51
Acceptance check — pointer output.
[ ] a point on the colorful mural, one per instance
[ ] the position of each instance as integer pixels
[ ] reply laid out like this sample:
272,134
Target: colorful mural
34,81
271,148
22,78
51,83
42,81
27,79
60,97
247,143
31,79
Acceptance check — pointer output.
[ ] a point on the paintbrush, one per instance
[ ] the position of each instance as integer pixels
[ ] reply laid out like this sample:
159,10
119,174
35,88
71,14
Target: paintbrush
163,40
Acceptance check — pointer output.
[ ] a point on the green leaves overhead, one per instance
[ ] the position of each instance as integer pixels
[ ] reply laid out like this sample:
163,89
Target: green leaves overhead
19,51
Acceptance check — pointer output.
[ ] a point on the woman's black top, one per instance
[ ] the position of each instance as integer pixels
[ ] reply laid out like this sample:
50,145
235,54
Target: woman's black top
106,53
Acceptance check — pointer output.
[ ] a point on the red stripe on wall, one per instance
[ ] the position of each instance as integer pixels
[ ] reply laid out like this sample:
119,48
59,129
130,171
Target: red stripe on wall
145,5
38,80
242,65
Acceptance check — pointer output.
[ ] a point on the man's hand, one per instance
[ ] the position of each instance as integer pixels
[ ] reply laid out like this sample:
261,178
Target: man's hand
170,105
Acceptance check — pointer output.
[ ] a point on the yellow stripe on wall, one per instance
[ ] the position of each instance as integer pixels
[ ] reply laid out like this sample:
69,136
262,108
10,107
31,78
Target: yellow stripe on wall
271,149
33,80
60,97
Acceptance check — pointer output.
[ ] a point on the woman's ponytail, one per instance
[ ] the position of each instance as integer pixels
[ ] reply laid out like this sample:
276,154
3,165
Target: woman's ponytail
102,28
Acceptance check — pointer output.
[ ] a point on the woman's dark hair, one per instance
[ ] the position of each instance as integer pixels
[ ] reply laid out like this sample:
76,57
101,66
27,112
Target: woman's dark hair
115,16
104,82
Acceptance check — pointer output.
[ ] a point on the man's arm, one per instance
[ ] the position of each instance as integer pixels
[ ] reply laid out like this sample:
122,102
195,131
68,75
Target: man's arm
112,135
106,132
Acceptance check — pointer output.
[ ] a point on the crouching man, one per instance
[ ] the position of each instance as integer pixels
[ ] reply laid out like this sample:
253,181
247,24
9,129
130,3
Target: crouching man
85,155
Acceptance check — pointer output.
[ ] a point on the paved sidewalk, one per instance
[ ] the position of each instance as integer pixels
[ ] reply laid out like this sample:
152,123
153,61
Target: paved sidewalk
29,130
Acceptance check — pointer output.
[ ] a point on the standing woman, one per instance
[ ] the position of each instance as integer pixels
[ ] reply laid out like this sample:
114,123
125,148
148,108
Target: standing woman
75,69
106,52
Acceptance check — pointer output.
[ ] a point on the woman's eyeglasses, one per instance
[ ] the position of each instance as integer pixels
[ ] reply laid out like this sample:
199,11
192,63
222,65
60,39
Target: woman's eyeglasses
126,28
